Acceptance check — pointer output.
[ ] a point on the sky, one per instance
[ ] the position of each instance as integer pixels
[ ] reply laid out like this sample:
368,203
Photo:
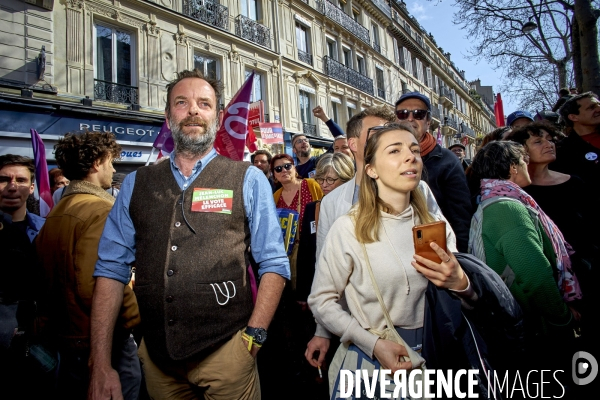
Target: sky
436,16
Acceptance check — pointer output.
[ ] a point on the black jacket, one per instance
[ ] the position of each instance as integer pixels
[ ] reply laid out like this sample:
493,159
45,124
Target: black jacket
446,178
575,156
486,337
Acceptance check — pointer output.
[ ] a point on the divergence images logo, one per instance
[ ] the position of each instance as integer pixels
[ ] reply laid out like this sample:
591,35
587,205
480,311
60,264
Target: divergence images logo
584,368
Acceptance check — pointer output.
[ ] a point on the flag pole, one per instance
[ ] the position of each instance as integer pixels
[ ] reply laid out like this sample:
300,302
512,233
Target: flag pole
150,156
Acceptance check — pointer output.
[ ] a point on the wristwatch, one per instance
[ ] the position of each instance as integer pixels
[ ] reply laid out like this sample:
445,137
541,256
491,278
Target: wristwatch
259,335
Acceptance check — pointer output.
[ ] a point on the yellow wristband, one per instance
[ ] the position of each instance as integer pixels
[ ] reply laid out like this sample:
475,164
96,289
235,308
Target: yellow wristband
251,341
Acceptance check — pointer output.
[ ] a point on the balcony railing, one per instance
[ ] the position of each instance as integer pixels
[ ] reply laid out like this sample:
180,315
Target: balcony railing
341,18
467,131
251,30
115,92
381,93
384,7
435,113
377,47
309,129
451,123
445,92
305,57
347,75
208,12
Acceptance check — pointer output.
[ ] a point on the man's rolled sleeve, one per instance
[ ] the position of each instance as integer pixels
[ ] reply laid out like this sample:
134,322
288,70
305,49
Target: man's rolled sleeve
116,250
266,240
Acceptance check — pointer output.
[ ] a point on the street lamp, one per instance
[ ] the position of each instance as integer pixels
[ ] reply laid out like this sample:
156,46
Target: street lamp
529,26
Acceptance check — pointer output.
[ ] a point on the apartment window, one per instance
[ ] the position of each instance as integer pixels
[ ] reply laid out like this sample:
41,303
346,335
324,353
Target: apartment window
341,5
114,55
347,57
376,43
250,9
257,86
402,54
380,82
356,15
305,110
332,49
208,65
302,37
334,111
350,112
415,69
360,64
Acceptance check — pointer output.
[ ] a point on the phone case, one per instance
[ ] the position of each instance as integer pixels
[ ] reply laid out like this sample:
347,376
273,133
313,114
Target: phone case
424,234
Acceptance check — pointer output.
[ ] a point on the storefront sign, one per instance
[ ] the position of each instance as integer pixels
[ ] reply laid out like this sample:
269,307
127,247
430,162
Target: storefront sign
59,123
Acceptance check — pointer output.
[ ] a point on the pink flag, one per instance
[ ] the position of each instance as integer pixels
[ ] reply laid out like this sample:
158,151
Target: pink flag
41,173
439,139
164,139
231,137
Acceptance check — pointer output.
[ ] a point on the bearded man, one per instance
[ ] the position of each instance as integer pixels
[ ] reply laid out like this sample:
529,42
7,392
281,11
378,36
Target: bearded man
189,225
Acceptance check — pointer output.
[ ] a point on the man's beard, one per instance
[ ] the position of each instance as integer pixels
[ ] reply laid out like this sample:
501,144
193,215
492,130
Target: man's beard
304,153
189,144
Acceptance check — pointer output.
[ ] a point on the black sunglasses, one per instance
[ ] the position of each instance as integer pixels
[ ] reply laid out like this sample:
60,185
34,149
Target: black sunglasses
280,168
417,114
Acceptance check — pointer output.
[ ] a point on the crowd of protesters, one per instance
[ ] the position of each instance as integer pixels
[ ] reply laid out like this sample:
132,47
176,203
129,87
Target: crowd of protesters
174,281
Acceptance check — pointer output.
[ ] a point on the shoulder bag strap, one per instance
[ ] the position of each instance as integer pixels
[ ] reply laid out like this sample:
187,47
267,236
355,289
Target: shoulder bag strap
388,319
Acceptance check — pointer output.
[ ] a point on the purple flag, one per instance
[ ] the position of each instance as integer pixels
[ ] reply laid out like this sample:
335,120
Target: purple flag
41,173
164,139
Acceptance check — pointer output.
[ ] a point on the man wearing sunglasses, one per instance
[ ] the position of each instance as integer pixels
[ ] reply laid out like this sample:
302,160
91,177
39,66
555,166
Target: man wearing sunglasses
442,169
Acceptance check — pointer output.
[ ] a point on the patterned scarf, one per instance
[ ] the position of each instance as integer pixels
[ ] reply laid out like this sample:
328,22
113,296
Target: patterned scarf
567,281
427,144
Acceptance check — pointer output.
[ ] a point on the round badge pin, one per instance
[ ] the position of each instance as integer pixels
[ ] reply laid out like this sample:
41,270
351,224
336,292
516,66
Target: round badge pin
591,156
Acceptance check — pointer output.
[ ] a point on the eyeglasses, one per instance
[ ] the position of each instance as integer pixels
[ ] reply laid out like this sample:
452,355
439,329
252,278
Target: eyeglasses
301,141
417,114
280,168
330,181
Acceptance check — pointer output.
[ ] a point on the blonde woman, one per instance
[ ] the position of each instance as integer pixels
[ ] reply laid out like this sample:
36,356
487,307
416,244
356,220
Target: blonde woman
378,232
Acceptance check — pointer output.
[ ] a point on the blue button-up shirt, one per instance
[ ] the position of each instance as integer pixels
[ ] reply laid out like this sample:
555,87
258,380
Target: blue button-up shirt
116,250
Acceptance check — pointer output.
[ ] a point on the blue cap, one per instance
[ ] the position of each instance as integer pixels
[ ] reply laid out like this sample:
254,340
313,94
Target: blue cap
516,115
415,95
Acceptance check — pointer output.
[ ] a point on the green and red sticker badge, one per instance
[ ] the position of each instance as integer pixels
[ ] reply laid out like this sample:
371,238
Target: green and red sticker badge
212,200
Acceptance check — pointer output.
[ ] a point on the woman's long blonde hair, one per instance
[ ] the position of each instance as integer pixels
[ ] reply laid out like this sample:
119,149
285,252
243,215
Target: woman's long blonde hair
367,214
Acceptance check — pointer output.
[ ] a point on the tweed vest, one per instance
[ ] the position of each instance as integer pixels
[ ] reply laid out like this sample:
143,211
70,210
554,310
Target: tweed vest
192,287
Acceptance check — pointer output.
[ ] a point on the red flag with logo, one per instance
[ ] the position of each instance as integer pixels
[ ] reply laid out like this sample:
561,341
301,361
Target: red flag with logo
231,136
499,111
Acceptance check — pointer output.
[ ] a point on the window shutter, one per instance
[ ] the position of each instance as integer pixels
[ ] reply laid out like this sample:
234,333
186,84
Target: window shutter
429,80
396,55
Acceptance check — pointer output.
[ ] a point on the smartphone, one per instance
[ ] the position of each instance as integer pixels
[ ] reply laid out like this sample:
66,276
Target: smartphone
424,234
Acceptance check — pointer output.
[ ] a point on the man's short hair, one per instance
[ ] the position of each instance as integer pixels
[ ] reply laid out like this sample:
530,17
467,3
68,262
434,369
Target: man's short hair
564,92
572,106
296,136
216,84
76,153
259,152
13,159
354,125
54,174
340,137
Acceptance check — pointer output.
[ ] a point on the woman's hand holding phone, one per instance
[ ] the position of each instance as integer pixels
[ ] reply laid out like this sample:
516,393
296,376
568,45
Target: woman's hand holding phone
448,274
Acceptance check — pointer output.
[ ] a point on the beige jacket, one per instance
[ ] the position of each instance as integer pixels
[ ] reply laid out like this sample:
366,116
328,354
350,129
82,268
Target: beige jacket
342,269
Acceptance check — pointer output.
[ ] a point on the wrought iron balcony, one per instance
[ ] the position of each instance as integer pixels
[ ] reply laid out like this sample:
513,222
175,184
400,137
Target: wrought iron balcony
377,47
347,75
451,123
381,93
251,30
305,57
435,113
209,12
115,92
446,95
341,18
309,129
467,131
384,7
